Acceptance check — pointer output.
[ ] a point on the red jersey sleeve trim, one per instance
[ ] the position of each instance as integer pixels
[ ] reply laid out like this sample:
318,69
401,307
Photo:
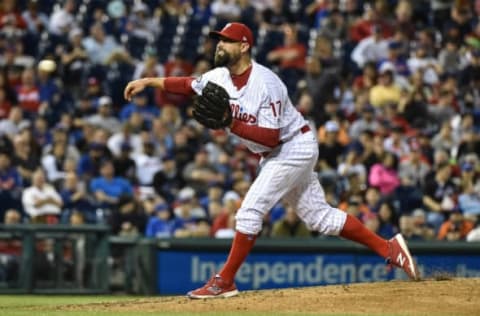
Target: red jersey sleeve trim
179,85
269,137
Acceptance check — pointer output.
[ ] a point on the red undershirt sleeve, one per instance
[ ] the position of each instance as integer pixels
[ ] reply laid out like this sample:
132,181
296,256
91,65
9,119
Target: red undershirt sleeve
269,137
179,85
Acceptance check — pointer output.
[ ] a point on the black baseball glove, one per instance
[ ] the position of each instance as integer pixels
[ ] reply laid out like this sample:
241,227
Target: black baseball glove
212,108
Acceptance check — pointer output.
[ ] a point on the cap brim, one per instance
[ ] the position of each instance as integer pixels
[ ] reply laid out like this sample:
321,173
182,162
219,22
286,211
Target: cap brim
214,34
218,35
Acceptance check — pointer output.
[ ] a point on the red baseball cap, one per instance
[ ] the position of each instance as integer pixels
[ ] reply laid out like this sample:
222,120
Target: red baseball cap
235,31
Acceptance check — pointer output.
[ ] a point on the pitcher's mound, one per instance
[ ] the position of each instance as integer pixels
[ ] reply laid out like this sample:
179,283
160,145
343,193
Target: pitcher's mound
443,296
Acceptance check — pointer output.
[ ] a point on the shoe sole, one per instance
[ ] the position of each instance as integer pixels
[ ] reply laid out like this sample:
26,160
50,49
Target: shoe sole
223,295
413,266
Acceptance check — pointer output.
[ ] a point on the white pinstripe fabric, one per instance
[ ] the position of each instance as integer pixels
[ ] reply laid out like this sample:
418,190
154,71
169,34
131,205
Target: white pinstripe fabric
288,173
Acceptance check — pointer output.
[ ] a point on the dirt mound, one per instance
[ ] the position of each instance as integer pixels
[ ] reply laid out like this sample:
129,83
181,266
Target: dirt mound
430,297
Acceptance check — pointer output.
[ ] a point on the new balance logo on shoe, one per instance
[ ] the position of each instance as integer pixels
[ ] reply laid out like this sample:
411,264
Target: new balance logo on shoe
401,259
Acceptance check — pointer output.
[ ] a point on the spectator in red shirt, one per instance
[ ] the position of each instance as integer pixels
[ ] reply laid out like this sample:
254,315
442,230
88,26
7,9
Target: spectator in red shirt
10,17
292,54
28,92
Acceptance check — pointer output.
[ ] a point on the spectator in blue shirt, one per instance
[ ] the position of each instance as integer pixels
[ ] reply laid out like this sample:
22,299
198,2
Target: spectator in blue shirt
107,188
140,104
162,224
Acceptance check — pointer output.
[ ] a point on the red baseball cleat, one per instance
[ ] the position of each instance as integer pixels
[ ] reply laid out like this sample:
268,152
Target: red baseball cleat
400,256
214,288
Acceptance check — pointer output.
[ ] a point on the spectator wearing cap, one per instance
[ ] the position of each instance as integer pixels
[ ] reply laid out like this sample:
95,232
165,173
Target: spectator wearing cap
162,224
336,123
41,201
468,173
384,175
140,104
104,117
367,122
370,49
394,56
191,215
329,150
386,91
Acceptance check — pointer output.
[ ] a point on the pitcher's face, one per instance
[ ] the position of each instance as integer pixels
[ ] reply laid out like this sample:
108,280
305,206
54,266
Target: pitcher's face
227,53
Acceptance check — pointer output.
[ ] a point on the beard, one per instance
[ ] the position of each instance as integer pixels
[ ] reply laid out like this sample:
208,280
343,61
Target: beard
224,58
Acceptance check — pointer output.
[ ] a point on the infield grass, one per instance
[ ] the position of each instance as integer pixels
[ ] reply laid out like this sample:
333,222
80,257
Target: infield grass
48,305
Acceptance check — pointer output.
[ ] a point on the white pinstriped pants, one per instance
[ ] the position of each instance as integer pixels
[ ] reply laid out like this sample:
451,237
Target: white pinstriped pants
288,173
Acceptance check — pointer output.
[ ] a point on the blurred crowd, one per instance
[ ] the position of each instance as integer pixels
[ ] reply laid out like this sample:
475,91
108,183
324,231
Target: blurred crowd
392,88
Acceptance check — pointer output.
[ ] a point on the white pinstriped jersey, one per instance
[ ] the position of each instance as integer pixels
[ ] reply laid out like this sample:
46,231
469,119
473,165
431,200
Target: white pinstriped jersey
263,101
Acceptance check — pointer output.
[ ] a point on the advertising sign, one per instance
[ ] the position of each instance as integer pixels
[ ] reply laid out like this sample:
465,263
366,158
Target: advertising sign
181,271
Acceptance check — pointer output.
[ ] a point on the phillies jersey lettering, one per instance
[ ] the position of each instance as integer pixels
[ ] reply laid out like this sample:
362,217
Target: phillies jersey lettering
262,102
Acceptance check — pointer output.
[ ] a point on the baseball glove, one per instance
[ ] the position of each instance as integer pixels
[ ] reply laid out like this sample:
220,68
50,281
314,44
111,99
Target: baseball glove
212,108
